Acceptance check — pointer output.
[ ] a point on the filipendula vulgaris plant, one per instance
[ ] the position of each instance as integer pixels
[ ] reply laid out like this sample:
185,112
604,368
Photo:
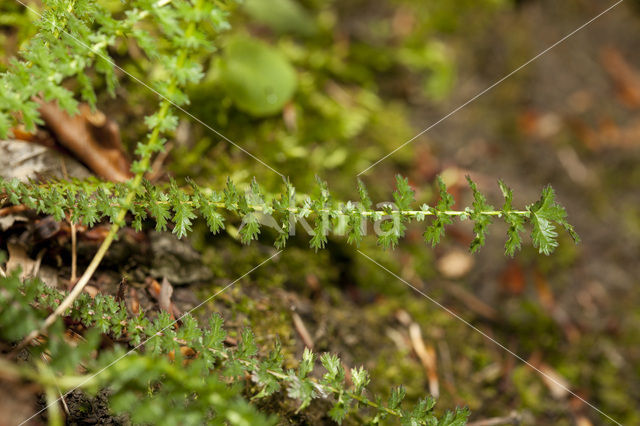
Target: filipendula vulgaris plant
175,369
72,43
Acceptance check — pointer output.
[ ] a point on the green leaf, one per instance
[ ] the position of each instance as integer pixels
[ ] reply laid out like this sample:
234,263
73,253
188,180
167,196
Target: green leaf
307,363
283,16
544,213
515,221
247,346
250,228
215,334
404,194
183,210
215,221
339,410
435,231
321,205
397,396
257,77
158,204
457,418
360,379
364,196
301,389
481,221
335,372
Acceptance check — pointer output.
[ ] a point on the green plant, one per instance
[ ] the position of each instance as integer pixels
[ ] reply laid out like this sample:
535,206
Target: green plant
201,365
73,53
92,201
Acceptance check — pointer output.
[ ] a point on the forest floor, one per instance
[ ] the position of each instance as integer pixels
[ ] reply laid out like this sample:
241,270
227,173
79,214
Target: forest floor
572,119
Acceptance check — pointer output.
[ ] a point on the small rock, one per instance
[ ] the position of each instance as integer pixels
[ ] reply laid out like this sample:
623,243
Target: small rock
455,264
176,260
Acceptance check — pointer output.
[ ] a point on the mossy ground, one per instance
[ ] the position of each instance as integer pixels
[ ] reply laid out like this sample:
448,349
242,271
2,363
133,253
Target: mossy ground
557,121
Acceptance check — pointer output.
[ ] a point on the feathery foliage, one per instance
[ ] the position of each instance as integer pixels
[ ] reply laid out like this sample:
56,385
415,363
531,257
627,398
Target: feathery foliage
176,208
180,359
70,57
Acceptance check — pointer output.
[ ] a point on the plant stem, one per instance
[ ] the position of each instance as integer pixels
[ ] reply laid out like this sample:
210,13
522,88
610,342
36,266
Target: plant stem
133,187
74,254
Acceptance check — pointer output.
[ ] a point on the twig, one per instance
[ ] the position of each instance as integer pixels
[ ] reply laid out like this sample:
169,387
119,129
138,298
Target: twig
64,402
68,301
74,258
302,330
36,267
512,419
427,355
13,209
471,301
156,167
74,254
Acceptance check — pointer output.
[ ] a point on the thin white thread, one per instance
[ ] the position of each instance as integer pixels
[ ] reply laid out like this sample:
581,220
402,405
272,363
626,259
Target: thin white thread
491,87
467,323
106,58
151,337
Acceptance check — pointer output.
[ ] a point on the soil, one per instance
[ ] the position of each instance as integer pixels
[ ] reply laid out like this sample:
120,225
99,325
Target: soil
562,120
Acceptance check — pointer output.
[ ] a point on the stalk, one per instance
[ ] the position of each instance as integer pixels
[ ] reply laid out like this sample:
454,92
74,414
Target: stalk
134,185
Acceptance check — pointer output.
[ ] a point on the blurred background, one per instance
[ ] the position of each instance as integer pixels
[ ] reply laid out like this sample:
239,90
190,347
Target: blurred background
317,87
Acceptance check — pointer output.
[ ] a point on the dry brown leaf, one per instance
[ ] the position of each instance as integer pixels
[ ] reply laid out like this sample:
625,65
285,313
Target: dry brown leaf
164,298
91,290
162,293
624,76
583,421
24,160
91,137
512,278
558,385
545,294
18,258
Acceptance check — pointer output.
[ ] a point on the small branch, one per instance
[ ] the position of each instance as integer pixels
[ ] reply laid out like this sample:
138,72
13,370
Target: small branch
512,419
74,254
302,330
427,355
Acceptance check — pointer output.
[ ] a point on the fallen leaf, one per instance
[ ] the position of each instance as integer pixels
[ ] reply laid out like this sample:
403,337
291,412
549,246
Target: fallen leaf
18,258
512,278
29,161
558,385
91,137
583,421
624,76
91,290
10,215
455,264
164,299
545,294
162,294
